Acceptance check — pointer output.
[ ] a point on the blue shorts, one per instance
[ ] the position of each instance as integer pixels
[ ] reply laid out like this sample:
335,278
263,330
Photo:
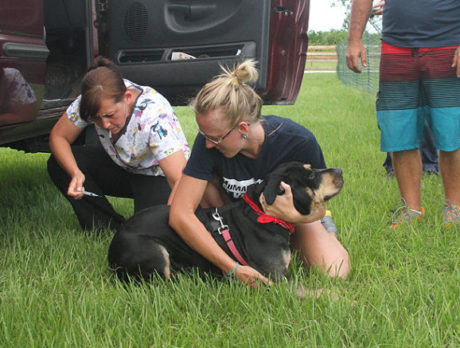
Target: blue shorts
416,84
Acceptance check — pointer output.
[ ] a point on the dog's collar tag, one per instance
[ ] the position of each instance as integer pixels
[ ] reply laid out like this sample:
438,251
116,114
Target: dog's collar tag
265,218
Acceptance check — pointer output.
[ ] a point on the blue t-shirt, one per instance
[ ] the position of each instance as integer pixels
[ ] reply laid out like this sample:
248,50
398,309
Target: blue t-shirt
285,141
421,23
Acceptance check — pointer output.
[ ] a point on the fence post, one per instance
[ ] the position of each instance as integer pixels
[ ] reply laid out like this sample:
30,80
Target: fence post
321,58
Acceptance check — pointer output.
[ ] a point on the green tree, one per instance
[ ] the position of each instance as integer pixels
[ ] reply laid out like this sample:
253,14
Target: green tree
374,21
332,37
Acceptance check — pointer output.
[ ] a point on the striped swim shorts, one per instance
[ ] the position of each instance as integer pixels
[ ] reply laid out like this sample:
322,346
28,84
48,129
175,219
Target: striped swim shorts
418,83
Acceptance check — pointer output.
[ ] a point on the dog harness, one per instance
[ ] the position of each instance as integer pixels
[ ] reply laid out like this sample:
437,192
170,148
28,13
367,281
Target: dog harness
224,232
265,218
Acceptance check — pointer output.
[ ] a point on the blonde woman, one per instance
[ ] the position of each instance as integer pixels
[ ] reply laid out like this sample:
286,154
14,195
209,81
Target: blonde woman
236,147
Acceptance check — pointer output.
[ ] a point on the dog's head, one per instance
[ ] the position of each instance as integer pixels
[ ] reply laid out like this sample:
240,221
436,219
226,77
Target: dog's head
311,188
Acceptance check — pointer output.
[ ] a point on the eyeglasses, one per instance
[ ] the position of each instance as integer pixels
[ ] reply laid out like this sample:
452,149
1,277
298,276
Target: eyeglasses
217,141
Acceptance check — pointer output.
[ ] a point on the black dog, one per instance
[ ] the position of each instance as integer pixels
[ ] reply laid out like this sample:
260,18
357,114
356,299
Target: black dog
146,244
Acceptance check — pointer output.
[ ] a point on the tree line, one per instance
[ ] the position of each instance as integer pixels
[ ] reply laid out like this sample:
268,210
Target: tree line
333,37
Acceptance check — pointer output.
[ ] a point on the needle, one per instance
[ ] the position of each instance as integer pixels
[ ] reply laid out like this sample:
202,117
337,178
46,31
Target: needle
91,194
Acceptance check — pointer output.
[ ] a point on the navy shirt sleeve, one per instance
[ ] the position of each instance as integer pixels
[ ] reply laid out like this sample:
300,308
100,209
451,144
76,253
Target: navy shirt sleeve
201,162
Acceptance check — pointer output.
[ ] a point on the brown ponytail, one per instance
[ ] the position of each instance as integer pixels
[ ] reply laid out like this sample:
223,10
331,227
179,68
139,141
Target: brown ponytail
103,80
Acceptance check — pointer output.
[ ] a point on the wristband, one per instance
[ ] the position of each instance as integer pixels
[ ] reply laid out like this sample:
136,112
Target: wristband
233,270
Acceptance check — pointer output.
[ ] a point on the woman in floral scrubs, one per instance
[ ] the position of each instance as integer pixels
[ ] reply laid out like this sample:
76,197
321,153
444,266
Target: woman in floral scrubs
141,154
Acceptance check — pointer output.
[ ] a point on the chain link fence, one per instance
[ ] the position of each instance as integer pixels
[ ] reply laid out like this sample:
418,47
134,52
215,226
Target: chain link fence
368,79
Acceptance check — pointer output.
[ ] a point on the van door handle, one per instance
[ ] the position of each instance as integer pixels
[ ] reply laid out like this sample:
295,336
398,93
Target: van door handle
22,50
192,12
180,8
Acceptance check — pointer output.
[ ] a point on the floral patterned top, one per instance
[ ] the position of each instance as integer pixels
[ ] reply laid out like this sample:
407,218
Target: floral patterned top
151,133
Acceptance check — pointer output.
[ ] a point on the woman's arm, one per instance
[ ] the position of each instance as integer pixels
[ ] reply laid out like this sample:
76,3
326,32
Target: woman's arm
18,113
62,136
172,166
183,220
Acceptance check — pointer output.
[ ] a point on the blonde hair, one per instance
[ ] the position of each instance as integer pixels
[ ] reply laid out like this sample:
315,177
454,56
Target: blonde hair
231,92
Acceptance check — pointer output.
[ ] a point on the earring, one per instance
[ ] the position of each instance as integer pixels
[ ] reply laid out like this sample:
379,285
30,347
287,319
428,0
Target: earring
244,136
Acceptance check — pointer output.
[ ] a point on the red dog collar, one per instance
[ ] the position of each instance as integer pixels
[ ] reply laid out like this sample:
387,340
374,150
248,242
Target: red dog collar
264,218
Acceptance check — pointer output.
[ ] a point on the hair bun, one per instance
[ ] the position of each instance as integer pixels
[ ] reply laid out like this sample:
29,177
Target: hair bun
246,72
229,91
101,61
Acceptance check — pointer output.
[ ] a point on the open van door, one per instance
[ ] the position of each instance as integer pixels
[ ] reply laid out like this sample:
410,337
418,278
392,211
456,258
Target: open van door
45,48
22,61
176,46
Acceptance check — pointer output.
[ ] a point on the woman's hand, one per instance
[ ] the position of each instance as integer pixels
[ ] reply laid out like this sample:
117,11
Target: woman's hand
378,8
250,276
283,208
75,189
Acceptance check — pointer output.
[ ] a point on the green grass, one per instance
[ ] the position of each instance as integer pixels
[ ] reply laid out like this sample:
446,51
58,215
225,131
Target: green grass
315,65
403,291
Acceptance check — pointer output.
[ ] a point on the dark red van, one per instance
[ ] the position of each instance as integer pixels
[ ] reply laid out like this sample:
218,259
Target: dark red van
47,45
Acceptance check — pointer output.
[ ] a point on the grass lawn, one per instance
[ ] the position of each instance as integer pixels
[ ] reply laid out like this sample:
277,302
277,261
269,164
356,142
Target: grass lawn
403,291
315,65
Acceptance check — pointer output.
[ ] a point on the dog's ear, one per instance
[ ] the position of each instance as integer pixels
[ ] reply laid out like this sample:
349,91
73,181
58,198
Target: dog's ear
302,202
272,188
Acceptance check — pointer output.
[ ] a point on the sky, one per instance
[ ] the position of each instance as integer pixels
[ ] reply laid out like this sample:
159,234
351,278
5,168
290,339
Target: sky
323,17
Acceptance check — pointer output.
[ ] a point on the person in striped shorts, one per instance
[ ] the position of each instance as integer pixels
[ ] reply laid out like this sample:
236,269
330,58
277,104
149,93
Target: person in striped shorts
419,79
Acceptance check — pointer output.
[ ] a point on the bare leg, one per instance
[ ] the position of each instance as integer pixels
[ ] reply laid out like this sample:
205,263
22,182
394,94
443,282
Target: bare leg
408,172
321,249
450,173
